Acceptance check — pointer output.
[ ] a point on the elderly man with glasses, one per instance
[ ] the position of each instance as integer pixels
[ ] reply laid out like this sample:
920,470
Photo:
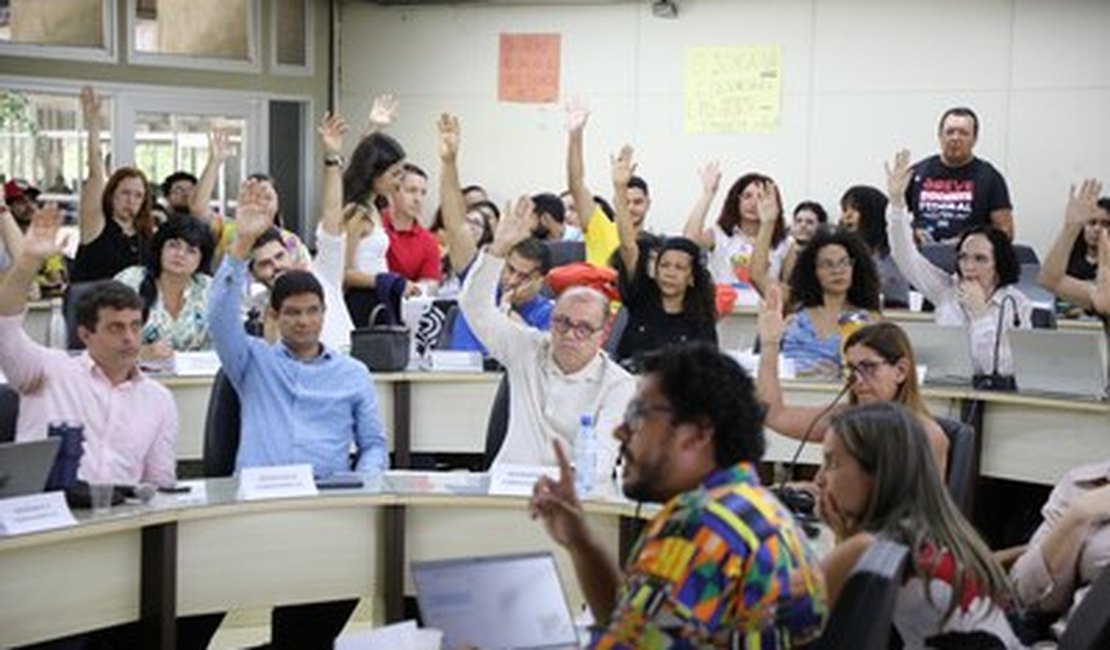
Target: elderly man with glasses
554,377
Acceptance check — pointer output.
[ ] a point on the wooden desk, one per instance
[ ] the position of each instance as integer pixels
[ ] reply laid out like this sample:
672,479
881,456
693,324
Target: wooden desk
157,561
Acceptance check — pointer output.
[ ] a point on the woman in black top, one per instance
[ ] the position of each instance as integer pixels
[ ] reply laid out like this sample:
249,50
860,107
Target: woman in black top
675,304
115,221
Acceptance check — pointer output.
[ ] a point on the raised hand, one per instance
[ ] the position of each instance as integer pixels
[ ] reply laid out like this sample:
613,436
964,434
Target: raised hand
382,112
577,114
842,524
448,136
90,104
771,322
767,204
332,129
219,145
898,178
515,226
41,239
623,167
710,177
557,505
252,216
1083,206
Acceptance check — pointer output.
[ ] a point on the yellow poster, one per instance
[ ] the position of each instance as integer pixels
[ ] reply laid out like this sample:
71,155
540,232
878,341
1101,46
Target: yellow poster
733,89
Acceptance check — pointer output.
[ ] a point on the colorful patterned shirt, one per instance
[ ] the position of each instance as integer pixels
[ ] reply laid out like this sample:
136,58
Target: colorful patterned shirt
723,566
189,331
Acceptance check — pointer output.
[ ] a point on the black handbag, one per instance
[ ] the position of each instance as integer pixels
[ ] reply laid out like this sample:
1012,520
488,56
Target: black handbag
382,347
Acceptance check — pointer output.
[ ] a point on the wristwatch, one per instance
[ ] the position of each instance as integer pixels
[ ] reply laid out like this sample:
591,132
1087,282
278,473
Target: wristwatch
334,160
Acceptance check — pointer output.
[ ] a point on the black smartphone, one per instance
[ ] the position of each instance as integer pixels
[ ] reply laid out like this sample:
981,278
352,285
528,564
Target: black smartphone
175,489
339,482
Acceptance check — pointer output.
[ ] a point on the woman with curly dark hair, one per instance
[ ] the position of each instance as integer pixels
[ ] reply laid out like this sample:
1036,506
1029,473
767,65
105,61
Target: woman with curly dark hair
674,305
836,287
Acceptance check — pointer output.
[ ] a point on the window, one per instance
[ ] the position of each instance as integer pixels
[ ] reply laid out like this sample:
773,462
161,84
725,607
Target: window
210,34
291,37
60,29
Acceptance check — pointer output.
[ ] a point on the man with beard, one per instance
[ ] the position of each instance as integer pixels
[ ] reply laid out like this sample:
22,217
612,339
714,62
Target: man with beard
723,563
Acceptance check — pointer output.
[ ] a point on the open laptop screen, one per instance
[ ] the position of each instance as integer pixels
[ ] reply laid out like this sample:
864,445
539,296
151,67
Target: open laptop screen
25,466
513,601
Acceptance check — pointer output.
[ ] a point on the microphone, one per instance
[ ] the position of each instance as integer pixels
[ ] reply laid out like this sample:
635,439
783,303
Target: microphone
800,502
996,381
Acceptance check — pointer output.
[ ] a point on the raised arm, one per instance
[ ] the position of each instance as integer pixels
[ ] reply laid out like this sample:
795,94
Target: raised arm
1100,297
694,229
39,243
382,111
11,237
219,150
789,421
460,241
577,116
931,281
623,168
91,216
494,328
760,265
332,129
1080,208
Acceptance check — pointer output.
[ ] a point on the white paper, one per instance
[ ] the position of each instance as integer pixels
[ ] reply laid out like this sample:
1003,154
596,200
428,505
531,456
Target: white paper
507,479
196,364
34,512
197,494
399,635
281,482
456,361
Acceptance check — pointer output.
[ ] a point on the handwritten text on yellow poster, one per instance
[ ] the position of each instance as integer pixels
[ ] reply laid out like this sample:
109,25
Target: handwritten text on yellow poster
733,89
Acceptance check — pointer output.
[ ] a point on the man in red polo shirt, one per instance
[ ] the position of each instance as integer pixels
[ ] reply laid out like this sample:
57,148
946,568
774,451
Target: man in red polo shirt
413,251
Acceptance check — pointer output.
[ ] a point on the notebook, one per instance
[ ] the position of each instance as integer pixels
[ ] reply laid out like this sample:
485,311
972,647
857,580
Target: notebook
942,350
504,601
24,466
1065,362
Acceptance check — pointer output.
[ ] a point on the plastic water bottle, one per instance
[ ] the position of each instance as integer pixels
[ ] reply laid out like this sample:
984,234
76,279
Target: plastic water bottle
56,328
585,457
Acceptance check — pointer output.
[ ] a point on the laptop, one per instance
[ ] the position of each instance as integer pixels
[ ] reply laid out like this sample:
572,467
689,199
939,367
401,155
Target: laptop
501,601
25,466
1065,362
943,350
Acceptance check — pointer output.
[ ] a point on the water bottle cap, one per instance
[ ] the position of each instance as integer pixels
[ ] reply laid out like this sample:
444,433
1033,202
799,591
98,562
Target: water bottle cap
586,420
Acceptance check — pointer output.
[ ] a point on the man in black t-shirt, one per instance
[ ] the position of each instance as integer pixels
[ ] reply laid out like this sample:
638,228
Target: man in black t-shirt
953,191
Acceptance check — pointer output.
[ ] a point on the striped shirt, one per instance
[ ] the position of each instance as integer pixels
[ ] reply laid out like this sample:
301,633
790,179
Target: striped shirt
723,566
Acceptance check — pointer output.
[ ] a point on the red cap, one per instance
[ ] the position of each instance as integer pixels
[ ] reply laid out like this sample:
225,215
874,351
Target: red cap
17,187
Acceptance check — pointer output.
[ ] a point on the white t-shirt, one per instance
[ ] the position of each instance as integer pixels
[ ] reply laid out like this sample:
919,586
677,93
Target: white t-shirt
731,255
371,250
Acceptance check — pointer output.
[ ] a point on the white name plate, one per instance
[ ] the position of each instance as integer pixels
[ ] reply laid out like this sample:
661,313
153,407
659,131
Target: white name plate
34,513
280,482
517,480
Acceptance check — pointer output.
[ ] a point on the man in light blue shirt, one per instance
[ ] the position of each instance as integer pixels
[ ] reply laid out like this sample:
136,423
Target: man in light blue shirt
301,401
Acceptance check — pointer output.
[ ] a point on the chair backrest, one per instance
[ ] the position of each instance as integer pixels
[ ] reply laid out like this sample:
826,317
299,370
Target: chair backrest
221,428
566,252
1089,625
1025,254
942,256
9,412
961,461
862,616
1043,319
498,424
444,340
616,331
69,308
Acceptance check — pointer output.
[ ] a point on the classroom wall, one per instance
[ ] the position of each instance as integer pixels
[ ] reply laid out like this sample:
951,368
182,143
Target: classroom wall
860,79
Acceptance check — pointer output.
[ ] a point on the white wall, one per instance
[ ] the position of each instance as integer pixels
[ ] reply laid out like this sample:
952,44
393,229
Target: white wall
861,79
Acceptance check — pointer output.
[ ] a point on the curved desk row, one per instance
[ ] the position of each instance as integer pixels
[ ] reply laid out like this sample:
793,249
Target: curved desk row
1023,437
153,562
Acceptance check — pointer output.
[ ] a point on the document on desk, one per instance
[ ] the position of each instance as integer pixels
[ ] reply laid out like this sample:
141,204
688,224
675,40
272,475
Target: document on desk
506,479
390,637
196,364
281,482
33,513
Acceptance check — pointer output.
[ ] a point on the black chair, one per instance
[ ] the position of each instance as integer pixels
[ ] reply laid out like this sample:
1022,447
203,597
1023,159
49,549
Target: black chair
1026,255
616,331
1089,625
69,309
942,256
444,340
566,252
221,428
498,424
9,412
861,618
1043,319
961,461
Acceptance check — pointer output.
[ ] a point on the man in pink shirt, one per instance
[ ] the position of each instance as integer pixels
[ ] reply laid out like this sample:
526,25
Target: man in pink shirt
130,421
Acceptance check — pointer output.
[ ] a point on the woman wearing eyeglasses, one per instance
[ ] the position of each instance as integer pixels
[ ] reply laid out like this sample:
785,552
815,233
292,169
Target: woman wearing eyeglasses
980,296
879,363
836,287
676,304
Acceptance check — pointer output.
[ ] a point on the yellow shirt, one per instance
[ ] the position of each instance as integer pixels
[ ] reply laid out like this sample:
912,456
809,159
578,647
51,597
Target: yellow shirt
601,238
